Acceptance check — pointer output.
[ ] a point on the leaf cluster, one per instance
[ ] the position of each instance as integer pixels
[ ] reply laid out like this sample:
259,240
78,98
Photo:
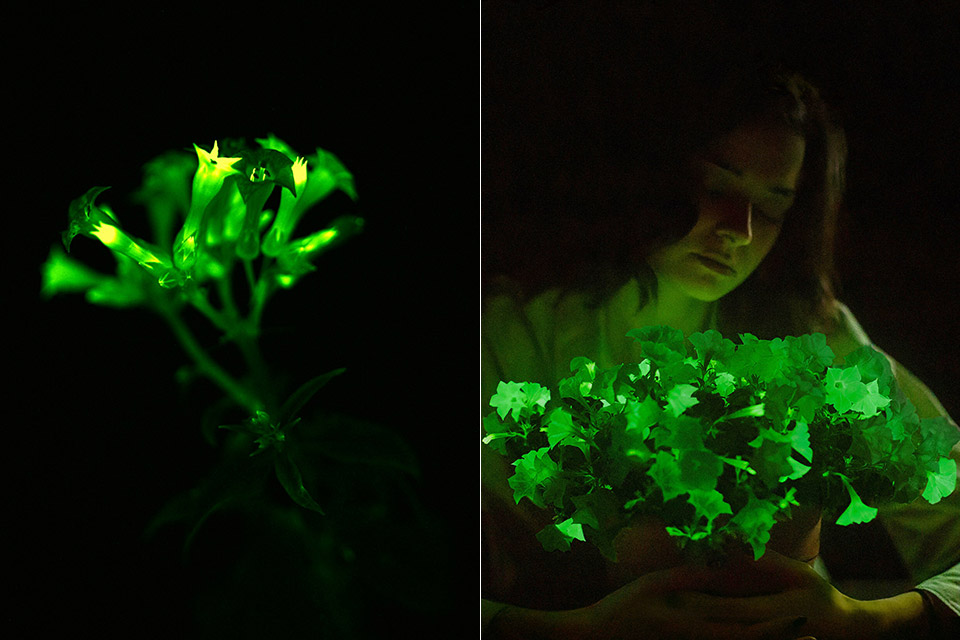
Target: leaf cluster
719,440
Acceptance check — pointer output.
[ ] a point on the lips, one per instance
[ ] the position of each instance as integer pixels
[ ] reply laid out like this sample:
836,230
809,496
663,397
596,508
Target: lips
715,265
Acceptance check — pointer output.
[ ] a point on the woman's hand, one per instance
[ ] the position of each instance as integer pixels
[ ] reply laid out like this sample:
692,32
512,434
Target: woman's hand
775,598
759,593
673,603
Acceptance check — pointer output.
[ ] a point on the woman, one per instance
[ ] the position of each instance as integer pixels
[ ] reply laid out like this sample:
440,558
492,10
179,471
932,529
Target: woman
722,222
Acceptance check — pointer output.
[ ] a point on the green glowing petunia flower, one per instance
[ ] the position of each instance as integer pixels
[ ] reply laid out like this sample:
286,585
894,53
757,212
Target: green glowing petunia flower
98,222
62,274
212,170
283,224
295,259
316,177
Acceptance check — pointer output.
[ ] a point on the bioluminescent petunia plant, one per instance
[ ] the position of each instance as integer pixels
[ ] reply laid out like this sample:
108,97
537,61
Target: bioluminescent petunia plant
717,440
219,198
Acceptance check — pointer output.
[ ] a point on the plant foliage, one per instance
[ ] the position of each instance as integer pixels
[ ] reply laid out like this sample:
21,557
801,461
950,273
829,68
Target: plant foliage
719,440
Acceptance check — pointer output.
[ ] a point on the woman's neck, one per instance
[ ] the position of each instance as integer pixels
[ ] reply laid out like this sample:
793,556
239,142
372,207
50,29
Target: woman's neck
678,310
622,314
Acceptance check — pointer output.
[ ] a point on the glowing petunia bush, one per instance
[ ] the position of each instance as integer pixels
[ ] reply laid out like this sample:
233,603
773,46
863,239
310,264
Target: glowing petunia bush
219,201
718,441
323,500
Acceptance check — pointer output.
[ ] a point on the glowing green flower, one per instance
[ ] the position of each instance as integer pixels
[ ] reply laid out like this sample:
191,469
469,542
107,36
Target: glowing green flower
325,174
212,170
98,222
275,143
283,224
857,512
62,274
843,387
165,193
295,258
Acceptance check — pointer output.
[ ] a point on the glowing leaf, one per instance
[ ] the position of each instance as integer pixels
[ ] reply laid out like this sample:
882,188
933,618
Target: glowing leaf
289,476
291,407
557,537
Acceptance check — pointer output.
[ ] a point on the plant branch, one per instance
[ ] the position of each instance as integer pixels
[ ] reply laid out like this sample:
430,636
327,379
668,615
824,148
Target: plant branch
237,392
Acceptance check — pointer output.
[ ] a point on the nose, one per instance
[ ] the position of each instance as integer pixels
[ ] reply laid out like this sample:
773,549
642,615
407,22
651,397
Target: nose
734,219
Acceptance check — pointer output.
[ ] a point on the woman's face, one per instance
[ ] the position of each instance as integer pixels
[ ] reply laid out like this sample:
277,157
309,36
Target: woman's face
748,181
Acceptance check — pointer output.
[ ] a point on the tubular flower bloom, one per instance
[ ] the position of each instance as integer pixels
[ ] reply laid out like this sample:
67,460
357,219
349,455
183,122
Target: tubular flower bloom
212,170
295,258
97,222
220,202
63,274
285,220
326,173
165,193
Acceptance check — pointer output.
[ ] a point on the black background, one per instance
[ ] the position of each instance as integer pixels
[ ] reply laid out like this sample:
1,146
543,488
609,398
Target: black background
98,434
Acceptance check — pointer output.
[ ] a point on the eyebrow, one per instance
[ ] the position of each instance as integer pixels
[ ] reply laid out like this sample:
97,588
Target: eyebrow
784,192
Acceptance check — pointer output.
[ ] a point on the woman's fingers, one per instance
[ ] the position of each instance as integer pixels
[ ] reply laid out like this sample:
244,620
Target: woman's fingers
722,608
786,628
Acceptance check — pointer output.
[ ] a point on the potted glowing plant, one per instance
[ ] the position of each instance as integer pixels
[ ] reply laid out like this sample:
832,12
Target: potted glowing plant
707,443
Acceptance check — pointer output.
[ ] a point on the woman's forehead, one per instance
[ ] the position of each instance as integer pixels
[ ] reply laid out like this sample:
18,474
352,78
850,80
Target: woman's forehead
770,151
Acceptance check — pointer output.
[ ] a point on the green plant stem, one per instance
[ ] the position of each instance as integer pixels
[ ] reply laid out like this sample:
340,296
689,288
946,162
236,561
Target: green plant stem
200,302
251,279
244,331
250,349
237,392
225,290
258,295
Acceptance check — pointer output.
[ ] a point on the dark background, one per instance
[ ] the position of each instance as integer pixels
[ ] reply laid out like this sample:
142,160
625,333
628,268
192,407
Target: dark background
99,434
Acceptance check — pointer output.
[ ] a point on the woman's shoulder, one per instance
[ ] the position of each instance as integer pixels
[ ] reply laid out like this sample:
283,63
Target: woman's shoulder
507,306
844,332
524,335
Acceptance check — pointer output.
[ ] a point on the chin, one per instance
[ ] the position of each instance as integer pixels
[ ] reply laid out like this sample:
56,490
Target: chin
705,289
707,295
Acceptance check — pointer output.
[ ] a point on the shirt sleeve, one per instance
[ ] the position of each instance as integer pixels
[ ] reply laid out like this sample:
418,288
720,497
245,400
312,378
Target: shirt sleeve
946,586
927,536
